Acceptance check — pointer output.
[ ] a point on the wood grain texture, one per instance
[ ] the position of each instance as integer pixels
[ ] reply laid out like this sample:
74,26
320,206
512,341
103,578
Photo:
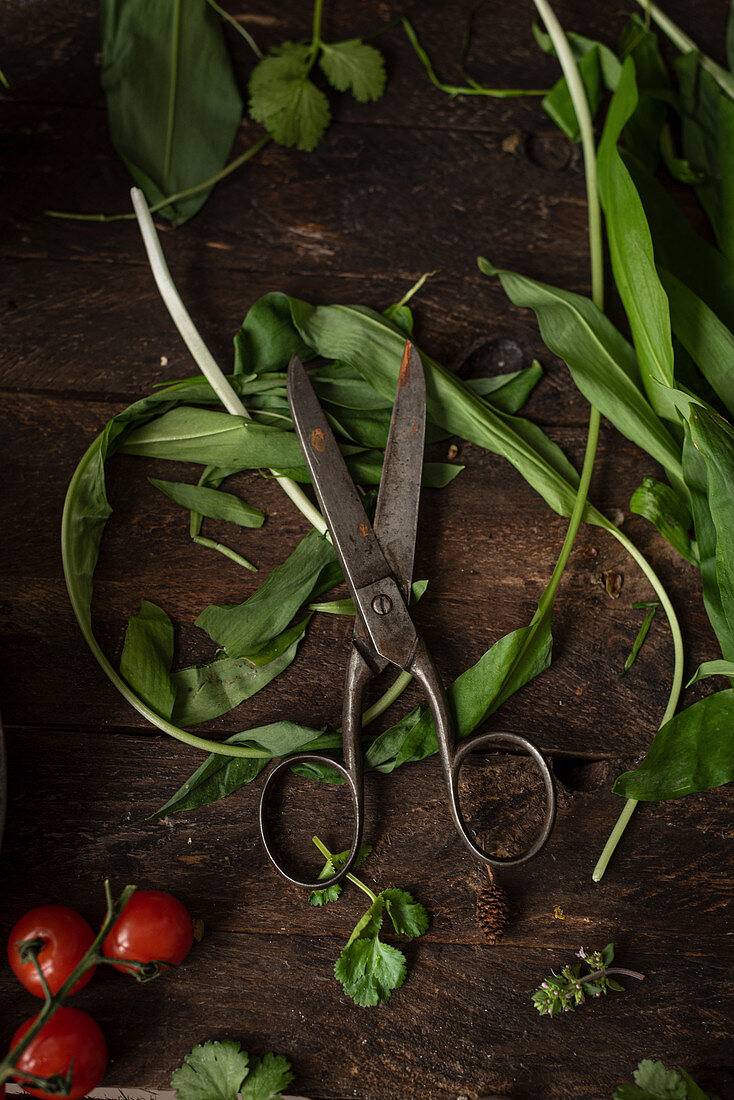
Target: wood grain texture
414,183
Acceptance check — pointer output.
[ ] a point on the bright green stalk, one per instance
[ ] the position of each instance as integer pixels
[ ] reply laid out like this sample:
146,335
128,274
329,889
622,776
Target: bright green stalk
682,42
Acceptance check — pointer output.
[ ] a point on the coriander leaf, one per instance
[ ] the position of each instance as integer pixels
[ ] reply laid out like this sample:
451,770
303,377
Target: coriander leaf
147,655
211,502
409,918
659,1081
354,66
332,893
368,926
212,1071
267,1078
289,105
369,970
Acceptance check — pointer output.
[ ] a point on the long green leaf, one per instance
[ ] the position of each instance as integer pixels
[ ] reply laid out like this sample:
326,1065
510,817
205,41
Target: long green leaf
692,752
374,347
662,506
706,339
244,627
173,103
712,668
211,502
206,691
147,656
632,256
219,776
642,131
602,363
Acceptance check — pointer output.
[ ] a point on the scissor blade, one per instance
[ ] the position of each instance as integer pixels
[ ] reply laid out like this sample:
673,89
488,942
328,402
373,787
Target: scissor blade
396,516
356,545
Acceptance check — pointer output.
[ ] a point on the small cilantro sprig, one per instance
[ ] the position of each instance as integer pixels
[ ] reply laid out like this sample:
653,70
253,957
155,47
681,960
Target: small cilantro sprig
288,103
564,992
369,969
654,1082
219,1071
332,865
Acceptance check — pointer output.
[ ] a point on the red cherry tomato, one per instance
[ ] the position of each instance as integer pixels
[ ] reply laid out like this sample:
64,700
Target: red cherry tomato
70,1036
153,926
66,936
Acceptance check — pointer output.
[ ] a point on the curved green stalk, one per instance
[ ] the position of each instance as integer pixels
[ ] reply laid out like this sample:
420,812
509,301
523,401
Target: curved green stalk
187,193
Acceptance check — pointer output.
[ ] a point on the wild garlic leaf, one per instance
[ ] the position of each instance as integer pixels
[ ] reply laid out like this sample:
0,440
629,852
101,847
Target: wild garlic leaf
221,775
638,643
205,691
354,66
211,502
369,970
664,508
147,656
408,916
212,1071
243,627
288,104
693,751
173,103
267,1078
712,668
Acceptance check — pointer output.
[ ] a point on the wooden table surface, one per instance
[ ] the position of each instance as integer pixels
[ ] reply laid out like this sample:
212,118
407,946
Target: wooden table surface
414,183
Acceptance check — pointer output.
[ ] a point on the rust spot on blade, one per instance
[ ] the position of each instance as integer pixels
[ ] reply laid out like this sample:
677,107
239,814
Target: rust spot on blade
317,440
364,530
404,375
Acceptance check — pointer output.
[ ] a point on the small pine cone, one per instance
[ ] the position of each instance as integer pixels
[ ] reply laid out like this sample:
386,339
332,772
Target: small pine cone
493,911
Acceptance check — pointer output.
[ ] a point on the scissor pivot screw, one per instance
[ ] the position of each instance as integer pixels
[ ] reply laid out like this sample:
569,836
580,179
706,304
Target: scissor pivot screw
382,605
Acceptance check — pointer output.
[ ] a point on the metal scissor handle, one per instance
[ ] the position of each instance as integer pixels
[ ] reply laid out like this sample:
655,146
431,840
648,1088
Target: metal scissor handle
424,670
358,676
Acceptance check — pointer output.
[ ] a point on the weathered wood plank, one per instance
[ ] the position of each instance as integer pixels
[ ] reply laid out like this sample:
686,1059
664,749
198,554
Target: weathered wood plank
462,1022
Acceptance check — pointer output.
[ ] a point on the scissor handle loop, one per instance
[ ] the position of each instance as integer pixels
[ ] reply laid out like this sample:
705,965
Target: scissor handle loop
481,741
357,804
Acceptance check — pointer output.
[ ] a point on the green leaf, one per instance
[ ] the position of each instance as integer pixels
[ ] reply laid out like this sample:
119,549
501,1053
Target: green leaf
213,438
508,392
707,340
633,261
408,916
211,502
642,132
221,775
147,656
212,1071
267,1078
289,105
267,338
173,104
601,362
332,893
662,506
693,1091
607,955
371,344
203,692
638,643
693,751
680,250
243,627
707,129
368,969
598,67
712,668
476,693
663,1083
355,67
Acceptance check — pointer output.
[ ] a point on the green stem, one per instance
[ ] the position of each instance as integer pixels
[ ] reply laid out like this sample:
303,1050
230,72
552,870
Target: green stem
169,200
238,27
211,544
682,42
454,89
318,10
387,699
172,93
352,878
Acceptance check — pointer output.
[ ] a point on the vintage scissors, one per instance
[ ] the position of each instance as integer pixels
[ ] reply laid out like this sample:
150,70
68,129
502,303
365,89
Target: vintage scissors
377,562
